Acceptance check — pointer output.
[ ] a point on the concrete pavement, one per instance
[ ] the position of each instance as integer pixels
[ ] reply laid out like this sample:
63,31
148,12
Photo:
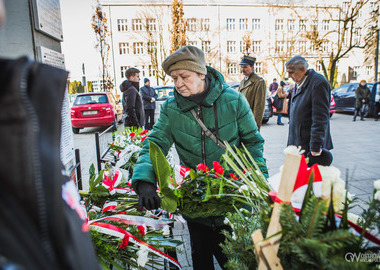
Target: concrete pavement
356,153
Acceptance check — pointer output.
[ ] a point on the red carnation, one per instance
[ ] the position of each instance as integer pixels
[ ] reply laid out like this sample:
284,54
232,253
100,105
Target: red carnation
132,135
143,138
202,167
218,168
233,176
143,132
141,229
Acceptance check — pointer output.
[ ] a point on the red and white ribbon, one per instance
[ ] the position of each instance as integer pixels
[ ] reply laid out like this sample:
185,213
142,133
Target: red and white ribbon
109,206
135,220
111,183
180,173
127,237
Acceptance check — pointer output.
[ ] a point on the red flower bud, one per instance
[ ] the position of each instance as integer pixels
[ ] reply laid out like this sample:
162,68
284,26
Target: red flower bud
202,167
218,168
143,138
132,135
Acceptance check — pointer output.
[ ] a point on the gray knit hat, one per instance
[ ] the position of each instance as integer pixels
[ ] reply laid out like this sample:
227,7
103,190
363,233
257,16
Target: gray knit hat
188,57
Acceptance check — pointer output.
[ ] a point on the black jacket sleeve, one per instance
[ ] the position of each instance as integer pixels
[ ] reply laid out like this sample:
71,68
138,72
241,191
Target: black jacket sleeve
131,95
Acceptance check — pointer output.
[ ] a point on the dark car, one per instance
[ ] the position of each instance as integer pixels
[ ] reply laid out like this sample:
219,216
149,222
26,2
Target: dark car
345,98
267,113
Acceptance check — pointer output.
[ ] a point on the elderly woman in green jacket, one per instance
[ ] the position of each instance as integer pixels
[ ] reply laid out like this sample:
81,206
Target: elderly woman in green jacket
224,112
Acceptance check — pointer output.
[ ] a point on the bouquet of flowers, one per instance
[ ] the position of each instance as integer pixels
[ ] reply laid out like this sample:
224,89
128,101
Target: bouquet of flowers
206,192
122,235
318,235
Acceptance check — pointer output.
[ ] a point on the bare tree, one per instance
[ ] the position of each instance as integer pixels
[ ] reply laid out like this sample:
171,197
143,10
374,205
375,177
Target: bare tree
100,27
371,38
344,36
154,36
178,30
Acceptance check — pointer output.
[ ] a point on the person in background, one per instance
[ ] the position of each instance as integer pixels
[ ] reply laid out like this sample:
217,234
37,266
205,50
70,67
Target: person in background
199,91
148,96
132,103
282,94
273,86
363,96
376,90
253,88
309,125
290,93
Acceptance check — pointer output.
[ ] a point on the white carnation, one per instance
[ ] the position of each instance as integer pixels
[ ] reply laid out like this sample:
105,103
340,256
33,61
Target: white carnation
142,256
166,230
294,150
243,188
226,221
377,195
234,236
376,184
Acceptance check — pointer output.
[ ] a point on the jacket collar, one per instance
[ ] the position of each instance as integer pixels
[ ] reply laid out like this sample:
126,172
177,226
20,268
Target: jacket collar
246,83
305,84
217,86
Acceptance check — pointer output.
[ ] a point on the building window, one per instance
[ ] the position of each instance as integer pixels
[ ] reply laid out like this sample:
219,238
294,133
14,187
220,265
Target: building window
124,48
279,25
192,24
357,35
279,46
302,46
152,71
256,46
290,46
137,25
192,43
256,24
205,24
314,25
231,24
152,47
356,73
151,24
303,25
231,46
243,24
142,70
243,47
368,70
291,25
232,69
326,25
318,66
345,38
206,46
345,7
122,25
325,46
138,47
123,69
258,67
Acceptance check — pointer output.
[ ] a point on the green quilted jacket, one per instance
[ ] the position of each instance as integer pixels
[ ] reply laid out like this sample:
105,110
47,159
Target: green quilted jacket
177,125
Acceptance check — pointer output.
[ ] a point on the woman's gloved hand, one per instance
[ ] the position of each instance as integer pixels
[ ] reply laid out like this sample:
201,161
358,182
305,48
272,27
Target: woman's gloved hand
148,197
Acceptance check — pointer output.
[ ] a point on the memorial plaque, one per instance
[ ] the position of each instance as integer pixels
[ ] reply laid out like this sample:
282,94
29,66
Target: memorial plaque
50,57
47,18
67,139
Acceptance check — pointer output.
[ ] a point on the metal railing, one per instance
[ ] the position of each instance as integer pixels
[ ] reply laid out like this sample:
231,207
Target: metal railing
102,148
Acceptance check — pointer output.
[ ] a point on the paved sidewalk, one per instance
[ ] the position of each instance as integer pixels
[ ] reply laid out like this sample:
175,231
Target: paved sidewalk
356,149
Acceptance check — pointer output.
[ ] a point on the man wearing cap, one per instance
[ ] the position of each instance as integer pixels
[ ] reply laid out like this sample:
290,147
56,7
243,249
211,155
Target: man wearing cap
148,96
200,92
253,88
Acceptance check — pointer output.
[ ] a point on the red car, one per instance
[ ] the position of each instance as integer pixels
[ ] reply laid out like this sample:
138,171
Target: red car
95,110
332,106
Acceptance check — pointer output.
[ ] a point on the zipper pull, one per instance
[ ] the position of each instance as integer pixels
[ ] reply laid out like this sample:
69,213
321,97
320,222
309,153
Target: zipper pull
199,111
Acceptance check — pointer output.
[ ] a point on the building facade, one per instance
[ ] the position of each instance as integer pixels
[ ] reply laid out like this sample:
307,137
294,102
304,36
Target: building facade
272,31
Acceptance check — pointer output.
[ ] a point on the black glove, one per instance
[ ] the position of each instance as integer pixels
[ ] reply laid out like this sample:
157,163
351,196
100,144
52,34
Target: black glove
148,197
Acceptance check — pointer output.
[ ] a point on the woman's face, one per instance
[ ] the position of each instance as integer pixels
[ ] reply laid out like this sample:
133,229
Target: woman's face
188,83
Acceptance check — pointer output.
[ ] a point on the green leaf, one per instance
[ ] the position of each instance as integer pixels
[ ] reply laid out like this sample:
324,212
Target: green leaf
162,170
330,224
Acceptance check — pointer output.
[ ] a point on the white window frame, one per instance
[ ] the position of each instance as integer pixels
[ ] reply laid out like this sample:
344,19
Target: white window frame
205,24
303,25
232,69
231,46
123,48
258,67
279,46
191,24
243,24
256,46
302,45
231,24
325,25
206,46
151,24
151,45
279,25
291,25
137,25
138,47
256,24
122,25
123,69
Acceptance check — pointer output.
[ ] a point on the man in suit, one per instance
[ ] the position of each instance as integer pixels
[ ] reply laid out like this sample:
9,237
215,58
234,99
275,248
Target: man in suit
253,88
309,125
148,96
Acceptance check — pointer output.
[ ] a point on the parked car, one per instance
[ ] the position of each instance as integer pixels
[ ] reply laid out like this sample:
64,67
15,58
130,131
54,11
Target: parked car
95,110
345,97
268,113
164,92
332,105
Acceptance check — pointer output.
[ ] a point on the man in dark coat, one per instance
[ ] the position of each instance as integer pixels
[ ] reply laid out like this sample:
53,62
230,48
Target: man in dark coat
273,86
132,103
149,97
309,125
363,96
